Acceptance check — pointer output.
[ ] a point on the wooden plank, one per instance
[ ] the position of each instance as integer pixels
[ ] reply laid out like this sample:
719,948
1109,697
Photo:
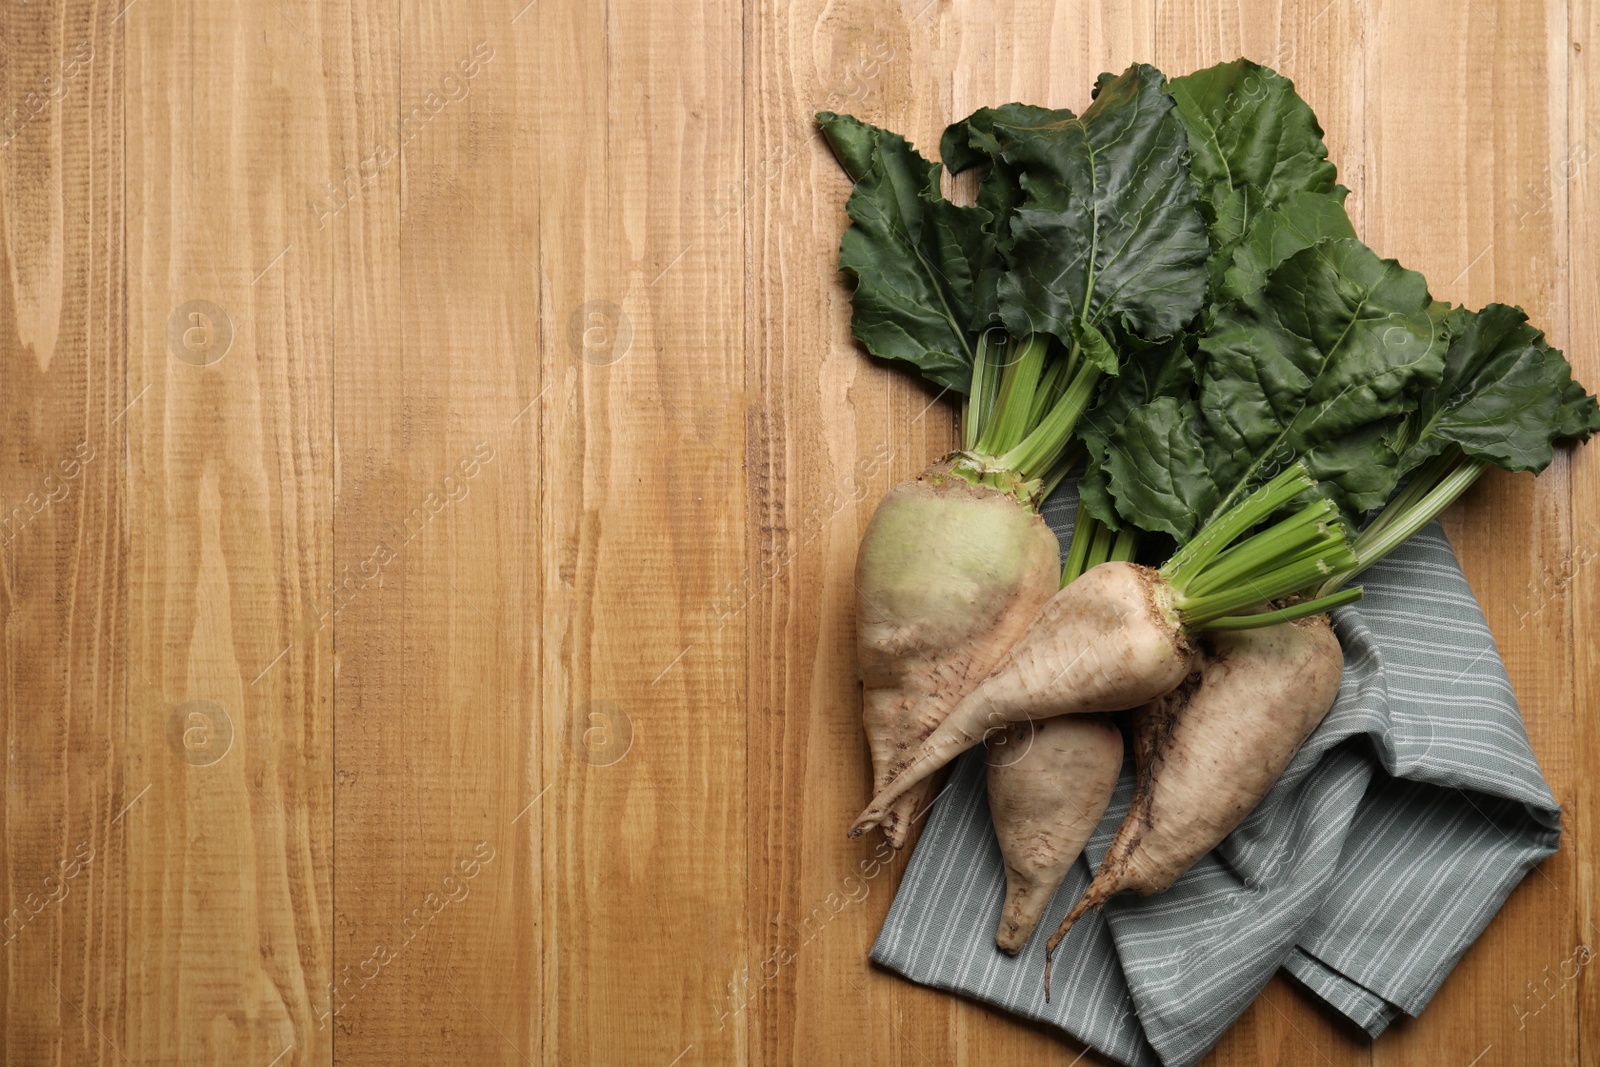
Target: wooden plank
1465,125
832,433
641,440
64,675
437,548
355,204
1572,586
229,532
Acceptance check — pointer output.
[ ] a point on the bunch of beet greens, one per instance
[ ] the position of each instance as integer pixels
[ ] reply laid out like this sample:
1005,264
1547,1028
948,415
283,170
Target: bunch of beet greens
1167,292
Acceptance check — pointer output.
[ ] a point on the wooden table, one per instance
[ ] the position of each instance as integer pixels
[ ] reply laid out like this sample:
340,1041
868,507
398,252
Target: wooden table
433,455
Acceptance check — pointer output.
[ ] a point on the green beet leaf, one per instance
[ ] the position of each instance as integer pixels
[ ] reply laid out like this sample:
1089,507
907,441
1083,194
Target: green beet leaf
1110,232
915,256
1249,129
1255,147
1321,365
1155,467
1164,369
1301,220
1579,417
1505,398
972,143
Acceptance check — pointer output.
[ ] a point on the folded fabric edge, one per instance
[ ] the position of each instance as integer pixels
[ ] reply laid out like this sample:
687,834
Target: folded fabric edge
1350,998
1415,995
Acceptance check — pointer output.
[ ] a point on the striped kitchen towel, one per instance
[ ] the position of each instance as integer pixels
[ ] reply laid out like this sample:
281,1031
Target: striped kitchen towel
1390,842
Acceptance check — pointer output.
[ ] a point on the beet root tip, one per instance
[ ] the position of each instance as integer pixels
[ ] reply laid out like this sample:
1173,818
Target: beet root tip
1093,897
866,821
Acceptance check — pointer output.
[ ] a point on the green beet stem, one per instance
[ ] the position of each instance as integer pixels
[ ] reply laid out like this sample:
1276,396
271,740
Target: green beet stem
1220,532
1008,420
1401,519
1039,450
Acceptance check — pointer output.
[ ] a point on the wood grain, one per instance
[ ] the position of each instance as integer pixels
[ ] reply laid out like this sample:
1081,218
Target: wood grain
229,533
642,733
66,679
459,666
1573,589
437,548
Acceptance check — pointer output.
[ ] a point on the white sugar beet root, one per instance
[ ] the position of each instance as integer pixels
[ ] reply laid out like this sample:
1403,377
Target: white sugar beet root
1208,752
948,577
1049,784
1108,642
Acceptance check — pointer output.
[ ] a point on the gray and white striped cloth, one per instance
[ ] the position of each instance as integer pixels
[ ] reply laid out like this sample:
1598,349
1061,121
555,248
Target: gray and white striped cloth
1391,841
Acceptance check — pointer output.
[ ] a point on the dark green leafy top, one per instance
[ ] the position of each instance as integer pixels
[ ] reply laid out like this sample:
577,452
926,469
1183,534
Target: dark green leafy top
1266,192
914,254
1163,369
1188,239
1299,221
1505,396
973,142
1252,136
1320,365
1257,149
1109,236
